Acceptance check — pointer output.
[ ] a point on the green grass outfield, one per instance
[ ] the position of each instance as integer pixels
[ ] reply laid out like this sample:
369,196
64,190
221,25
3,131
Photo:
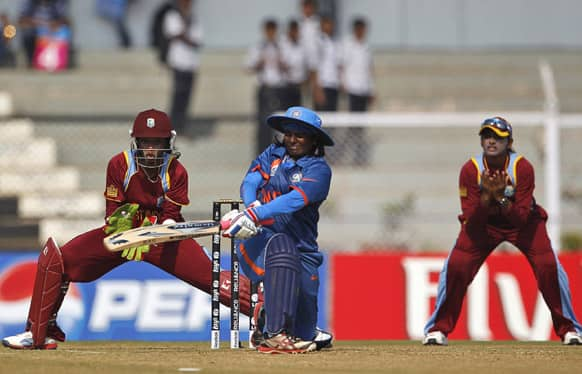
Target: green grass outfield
344,357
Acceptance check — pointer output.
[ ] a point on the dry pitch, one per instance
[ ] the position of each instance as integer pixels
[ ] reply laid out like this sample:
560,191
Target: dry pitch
345,357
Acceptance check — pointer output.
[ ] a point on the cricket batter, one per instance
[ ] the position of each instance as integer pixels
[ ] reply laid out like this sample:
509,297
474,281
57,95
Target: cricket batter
145,185
496,190
283,190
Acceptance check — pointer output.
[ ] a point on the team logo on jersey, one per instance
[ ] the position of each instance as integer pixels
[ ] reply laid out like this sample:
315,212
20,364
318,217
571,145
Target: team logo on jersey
274,168
111,191
296,178
463,191
151,123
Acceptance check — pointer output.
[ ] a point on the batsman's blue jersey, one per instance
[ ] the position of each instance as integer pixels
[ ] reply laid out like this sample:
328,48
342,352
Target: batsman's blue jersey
290,193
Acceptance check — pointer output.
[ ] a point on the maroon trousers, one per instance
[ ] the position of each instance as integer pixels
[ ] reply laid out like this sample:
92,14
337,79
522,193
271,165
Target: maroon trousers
471,250
86,259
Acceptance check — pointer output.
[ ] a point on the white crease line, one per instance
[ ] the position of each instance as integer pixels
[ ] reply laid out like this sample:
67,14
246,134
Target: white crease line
79,351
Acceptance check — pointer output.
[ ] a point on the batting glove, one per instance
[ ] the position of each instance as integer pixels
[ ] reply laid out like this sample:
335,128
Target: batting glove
136,253
121,219
239,225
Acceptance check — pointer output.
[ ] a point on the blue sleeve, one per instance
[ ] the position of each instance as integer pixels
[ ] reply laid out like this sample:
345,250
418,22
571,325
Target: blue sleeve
315,184
313,187
249,187
263,161
284,204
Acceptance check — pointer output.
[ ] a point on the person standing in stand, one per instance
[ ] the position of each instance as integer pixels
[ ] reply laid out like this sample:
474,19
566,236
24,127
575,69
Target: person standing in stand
266,60
296,66
184,34
327,85
309,38
357,81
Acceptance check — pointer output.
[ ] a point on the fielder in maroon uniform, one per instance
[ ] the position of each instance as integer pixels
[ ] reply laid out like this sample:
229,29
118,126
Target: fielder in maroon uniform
496,190
145,185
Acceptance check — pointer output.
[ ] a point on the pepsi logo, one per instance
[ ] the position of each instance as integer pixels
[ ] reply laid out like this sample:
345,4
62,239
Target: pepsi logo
16,288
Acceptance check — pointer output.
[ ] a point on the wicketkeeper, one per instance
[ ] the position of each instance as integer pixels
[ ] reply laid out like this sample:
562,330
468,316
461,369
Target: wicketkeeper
145,185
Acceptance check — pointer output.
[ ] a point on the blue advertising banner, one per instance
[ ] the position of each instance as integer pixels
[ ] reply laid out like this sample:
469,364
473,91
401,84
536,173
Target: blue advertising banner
135,301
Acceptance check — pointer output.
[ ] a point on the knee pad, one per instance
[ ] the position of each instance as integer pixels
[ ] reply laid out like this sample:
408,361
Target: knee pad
281,251
281,283
48,291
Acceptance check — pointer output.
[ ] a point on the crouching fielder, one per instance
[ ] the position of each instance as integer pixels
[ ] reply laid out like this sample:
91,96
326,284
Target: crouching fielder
496,189
145,185
283,189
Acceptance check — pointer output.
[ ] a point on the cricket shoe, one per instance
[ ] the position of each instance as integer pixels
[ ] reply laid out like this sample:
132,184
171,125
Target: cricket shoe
257,336
283,343
322,339
25,341
572,338
435,338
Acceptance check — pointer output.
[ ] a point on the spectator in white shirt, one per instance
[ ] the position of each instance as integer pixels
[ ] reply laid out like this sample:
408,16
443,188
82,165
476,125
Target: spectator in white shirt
296,68
266,60
328,71
310,35
357,81
357,68
185,38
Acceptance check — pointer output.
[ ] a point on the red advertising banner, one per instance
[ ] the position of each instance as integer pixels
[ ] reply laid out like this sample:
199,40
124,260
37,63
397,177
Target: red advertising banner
391,296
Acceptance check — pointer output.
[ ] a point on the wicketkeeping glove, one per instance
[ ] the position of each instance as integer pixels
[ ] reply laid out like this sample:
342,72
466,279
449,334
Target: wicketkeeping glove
238,225
121,219
136,253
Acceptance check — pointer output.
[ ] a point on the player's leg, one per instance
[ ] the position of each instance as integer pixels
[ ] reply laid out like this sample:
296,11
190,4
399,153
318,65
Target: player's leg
552,280
307,311
458,272
188,261
46,292
82,259
281,283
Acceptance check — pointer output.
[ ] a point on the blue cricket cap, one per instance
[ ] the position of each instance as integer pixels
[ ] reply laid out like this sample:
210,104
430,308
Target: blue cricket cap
301,120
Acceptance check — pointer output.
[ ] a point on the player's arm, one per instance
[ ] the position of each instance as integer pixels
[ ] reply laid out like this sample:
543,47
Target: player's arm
114,192
119,214
250,186
257,176
177,196
518,212
474,210
313,187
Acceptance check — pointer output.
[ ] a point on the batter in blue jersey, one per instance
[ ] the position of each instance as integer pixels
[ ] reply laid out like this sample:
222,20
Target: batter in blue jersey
282,190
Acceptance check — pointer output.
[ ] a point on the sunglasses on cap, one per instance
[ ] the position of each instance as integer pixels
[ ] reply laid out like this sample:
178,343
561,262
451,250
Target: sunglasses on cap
498,125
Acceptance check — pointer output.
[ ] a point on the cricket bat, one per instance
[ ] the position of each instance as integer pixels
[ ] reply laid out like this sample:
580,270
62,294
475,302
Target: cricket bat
160,234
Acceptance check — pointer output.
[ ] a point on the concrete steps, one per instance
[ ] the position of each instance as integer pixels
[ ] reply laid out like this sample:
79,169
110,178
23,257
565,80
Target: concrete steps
60,179
76,204
121,83
63,229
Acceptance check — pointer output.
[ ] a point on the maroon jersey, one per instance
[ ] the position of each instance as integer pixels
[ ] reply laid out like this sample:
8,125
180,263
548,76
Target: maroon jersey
523,224
162,197
523,203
